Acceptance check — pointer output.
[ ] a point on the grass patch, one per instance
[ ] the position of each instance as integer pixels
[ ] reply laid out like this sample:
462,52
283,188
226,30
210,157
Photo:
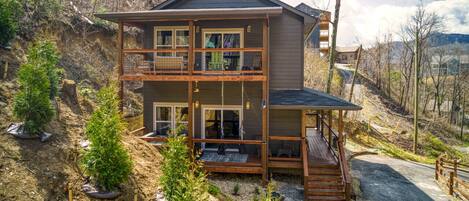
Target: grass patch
430,146
390,149
216,192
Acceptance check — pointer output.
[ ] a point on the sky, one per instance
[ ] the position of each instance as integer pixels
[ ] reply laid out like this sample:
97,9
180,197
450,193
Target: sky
363,21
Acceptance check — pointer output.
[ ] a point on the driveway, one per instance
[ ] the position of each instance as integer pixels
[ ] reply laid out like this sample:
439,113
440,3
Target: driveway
385,178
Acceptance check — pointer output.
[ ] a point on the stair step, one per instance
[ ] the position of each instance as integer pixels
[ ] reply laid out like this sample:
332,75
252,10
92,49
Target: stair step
329,178
323,166
324,192
325,186
325,198
324,172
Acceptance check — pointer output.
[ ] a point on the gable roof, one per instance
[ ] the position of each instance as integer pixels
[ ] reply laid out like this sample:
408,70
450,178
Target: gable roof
306,17
310,10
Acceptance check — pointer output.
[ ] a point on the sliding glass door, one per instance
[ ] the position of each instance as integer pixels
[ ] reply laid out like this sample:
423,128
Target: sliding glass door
221,123
222,60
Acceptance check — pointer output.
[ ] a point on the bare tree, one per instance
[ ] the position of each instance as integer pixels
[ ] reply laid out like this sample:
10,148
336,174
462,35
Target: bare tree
419,28
332,52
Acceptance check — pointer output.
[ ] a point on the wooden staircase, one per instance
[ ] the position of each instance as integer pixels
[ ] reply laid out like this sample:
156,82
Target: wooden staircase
324,182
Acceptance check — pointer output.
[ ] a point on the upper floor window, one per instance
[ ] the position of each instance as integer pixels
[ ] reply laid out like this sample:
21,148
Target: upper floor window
172,37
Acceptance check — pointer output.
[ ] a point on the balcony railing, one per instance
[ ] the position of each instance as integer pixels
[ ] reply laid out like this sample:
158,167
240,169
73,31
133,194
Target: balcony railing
206,61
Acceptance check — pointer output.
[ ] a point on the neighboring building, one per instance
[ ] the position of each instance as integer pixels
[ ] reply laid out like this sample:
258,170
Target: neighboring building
449,64
319,36
230,74
346,55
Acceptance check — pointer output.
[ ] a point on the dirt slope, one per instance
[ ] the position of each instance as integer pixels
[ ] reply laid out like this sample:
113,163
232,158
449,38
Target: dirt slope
31,170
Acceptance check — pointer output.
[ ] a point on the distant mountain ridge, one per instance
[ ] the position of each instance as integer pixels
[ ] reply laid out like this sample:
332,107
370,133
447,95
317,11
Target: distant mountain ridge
440,39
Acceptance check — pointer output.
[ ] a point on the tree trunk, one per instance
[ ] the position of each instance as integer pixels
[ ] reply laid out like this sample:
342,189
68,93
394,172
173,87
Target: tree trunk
416,91
335,25
462,116
354,76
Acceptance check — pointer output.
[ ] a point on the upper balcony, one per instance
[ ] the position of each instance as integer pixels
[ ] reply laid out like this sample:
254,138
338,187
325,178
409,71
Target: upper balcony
195,44
209,64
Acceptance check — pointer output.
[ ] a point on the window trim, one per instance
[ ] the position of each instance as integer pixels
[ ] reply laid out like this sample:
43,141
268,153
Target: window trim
173,113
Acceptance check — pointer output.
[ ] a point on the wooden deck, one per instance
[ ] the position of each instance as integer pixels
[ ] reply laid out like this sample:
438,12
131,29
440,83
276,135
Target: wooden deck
319,153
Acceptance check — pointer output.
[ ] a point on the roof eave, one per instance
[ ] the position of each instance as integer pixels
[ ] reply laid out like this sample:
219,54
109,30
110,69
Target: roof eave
194,14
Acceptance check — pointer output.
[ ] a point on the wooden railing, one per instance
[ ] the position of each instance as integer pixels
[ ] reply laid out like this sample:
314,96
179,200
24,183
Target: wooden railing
447,175
336,144
147,61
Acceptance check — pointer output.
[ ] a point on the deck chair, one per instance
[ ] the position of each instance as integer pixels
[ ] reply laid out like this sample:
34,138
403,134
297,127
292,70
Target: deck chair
169,63
216,62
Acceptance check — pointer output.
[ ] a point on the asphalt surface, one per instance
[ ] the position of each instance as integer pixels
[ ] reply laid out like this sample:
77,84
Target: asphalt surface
385,178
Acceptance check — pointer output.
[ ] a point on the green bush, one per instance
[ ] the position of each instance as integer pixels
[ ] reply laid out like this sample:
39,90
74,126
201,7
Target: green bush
45,54
107,162
10,12
37,78
183,178
31,104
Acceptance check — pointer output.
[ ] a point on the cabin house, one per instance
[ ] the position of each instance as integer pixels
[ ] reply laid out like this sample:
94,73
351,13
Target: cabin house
229,75
347,55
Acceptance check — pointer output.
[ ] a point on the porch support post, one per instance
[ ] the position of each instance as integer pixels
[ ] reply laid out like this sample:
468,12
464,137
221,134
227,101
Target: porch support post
265,98
190,102
330,127
190,120
120,43
191,55
341,127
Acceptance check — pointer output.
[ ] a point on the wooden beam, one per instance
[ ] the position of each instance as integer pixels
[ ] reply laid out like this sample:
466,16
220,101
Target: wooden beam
239,164
286,164
190,120
329,130
191,47
120,44
226,141
230,169
265,98
285,138
341,127
303,124
146,77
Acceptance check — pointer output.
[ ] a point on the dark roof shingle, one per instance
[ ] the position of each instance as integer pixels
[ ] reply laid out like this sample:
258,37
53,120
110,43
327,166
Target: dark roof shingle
308,99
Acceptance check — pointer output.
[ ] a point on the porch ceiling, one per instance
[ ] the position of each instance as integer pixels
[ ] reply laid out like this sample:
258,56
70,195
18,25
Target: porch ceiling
190,14
308,99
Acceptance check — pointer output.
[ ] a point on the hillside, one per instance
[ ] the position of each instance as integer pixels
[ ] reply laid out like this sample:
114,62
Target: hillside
31,170
383,127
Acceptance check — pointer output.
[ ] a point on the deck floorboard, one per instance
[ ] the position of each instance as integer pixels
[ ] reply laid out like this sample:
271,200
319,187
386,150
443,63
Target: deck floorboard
319,153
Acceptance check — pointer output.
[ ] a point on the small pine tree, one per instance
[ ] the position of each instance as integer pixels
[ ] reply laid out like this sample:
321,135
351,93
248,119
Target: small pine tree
107,162
183,178
45,54
38,79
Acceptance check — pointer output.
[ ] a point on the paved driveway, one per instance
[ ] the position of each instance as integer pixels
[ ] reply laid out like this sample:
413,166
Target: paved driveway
384,178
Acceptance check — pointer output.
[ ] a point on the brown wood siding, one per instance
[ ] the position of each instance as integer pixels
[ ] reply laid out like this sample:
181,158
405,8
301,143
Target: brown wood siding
193,4
286,51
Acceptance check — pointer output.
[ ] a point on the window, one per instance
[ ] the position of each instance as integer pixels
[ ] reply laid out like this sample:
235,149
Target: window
168,117
172,38
223,38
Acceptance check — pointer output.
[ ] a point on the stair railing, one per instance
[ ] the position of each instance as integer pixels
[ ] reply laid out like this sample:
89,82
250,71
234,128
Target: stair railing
336,146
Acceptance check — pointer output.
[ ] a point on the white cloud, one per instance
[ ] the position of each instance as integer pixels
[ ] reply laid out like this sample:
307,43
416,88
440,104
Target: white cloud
362,21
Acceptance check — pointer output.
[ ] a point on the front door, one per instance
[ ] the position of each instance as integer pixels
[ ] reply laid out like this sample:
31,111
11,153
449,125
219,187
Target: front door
221,123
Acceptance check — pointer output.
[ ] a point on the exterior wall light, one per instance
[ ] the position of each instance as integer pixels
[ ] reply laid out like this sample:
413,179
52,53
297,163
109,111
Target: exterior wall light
196,104
248,105
249,28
